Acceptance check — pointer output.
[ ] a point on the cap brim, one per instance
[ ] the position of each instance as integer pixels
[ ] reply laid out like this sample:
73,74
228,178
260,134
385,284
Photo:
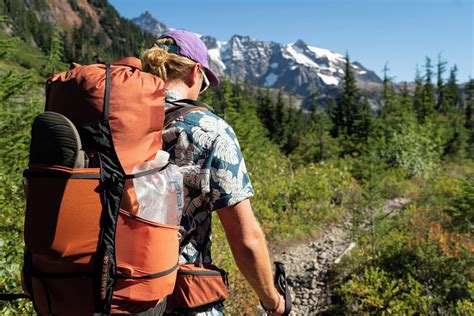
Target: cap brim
213,80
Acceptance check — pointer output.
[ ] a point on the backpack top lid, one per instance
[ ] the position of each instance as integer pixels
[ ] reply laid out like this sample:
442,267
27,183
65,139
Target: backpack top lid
136,108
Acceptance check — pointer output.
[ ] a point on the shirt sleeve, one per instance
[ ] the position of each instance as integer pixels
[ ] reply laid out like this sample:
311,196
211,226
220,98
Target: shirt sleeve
229,181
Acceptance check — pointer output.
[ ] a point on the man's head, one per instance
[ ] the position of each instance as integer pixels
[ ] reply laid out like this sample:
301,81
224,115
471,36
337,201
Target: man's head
180,56
190,46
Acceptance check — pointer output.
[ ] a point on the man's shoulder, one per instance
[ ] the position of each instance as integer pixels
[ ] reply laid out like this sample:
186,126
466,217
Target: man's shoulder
203,120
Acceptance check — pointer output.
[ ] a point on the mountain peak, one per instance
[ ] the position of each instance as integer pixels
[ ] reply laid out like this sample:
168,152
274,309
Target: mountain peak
149,23
295,67
300,44
147,14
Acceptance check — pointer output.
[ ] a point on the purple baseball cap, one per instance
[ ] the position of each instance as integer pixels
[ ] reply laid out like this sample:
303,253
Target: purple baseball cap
191,46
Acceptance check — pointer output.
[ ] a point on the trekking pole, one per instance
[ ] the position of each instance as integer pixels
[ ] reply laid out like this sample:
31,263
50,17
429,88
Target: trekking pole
282,286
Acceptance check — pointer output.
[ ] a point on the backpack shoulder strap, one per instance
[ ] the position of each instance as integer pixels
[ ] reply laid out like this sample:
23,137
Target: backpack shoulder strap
181,108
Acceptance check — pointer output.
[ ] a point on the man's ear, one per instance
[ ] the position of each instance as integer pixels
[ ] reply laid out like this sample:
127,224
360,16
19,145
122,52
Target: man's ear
194,74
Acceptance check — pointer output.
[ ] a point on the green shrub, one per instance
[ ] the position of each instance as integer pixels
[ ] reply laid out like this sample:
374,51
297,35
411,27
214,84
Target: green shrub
416,267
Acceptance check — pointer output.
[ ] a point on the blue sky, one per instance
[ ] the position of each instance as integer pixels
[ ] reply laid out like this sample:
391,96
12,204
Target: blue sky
400,32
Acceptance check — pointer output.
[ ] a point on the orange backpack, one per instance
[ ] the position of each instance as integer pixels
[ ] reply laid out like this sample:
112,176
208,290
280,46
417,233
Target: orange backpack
86,252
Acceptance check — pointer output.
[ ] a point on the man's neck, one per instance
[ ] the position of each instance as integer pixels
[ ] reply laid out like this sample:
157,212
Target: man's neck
179,88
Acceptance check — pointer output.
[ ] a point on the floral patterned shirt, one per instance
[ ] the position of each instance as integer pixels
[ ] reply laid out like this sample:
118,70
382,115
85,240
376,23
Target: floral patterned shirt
214,172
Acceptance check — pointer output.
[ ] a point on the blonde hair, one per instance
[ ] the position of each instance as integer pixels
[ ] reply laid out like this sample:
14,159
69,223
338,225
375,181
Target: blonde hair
167,66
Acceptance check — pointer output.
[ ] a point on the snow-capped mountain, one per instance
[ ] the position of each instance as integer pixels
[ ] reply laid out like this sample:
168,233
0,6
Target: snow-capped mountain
295,67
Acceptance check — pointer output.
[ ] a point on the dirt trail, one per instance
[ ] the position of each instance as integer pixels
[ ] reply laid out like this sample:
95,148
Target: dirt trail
307,262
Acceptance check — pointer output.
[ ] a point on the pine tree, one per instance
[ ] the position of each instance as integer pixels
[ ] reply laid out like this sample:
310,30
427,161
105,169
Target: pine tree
391,112
332,111
343,114
429,99
265,110
418,97
228,101
363,122
56,50
291,130
469,109
469,117
278,118
452,94
315,142
406,101
442,105
455,147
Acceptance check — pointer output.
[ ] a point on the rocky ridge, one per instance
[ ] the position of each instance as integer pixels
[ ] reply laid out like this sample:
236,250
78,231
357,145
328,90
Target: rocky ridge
294,67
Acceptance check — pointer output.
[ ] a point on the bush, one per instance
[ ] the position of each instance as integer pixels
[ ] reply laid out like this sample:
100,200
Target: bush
418,266
414,148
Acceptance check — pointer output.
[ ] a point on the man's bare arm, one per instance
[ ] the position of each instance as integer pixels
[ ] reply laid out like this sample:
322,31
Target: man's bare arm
249,248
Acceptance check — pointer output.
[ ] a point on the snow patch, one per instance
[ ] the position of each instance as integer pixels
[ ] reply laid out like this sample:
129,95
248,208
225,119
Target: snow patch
297,54
329,80
221,44
274,65
362,72
321,52
215,55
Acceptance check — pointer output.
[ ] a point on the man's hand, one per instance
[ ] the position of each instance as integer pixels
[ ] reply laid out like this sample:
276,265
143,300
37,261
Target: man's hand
280,309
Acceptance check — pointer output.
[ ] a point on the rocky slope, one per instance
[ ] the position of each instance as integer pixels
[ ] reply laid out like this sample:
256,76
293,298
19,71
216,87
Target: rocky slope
307,263
88,29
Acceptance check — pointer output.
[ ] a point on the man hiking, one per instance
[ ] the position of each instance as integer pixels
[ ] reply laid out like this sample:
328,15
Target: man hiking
214,172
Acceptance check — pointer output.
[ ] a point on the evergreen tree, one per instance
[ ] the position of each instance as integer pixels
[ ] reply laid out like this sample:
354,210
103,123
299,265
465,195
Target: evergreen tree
265,110
429,99
332,111
363,122
315,143
391,112
291,129
344,113
457,140
452,94
56,49
442,105
469,117
406,101
278,119
418,97
227,101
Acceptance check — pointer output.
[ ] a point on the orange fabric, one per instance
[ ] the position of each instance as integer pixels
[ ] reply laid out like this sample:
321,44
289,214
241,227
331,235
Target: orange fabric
192,291
62,226
62,223
145,247
61,231
62,217
136,105
71,296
